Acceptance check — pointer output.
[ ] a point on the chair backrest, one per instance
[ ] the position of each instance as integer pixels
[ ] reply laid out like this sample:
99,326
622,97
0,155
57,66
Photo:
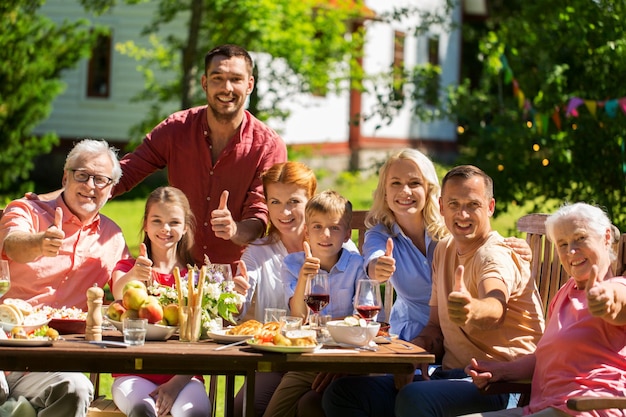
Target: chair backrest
358,225
545,267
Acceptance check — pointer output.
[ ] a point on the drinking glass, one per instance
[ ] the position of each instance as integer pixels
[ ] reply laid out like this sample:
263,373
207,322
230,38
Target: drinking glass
367,299
316,296
5,277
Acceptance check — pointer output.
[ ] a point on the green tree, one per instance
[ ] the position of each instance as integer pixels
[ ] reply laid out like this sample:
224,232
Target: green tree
305,48
549,51
34,51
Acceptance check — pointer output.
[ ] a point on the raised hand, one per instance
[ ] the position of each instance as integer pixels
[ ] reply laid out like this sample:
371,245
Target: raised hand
52,238
600,298
142,270
222,221
385,265
311,263
241,280
459,300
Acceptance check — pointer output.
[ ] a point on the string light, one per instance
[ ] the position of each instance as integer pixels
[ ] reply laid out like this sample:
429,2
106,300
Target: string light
460,130
536,147
500,167
545,162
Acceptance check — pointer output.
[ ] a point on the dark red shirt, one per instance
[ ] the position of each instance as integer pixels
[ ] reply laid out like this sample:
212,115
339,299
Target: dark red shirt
182,143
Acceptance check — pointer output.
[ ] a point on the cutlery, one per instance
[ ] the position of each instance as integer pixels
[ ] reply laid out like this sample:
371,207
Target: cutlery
241,342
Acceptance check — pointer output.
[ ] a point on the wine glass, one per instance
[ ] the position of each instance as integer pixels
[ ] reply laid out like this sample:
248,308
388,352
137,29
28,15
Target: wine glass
5,277
367,299
316,296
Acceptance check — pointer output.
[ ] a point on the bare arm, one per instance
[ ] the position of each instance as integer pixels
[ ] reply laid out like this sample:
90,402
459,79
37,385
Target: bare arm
606,300
486,372
486,311
25,247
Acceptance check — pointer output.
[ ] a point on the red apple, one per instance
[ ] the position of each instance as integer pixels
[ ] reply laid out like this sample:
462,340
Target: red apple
151,310
134,297
170,313
115,310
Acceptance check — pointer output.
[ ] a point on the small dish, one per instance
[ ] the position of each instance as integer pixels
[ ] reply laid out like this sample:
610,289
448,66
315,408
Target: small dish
221,336
7,327
68,326
282,349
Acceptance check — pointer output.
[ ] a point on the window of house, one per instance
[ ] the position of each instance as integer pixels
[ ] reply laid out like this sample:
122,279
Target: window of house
99,69
398,62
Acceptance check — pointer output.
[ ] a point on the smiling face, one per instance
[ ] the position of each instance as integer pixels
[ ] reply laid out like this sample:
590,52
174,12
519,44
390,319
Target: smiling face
405,189
165,225
286,204
467,210
580,247
84,199
227,82
326,234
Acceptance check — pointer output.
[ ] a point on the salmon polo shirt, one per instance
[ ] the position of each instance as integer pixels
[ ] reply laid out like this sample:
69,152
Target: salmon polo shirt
87,255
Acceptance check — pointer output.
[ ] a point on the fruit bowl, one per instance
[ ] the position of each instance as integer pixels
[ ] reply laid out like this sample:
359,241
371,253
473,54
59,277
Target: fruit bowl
153,331
342,332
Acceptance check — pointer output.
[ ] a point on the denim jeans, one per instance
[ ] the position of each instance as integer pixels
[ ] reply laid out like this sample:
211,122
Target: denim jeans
448,393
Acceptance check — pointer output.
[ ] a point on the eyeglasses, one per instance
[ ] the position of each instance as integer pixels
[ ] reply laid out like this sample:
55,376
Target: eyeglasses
100,181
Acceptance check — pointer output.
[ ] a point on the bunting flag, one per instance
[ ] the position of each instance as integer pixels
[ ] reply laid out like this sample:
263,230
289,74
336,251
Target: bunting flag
540,121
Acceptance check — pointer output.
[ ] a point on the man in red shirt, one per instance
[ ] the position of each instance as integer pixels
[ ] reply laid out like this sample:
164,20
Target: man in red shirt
215,154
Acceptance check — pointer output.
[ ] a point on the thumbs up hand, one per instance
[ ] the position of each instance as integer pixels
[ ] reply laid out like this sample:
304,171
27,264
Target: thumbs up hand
52,238
311,263
222,221
142,270
385,265
600,297
241,280
459,300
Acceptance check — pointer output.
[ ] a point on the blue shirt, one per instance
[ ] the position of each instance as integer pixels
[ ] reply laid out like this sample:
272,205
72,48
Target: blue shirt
342,280
412,279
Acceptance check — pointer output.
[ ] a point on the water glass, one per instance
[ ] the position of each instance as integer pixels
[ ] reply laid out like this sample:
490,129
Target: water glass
135,331
274,314
288,323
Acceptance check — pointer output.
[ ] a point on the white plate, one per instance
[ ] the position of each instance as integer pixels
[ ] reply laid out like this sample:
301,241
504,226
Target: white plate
221,336
7,327
25,342
283,349
153,331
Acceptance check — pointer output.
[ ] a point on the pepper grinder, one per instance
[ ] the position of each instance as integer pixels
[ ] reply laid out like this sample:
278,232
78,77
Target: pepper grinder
93,324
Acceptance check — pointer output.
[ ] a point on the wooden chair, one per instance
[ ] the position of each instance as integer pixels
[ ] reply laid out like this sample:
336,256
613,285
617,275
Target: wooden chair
358,226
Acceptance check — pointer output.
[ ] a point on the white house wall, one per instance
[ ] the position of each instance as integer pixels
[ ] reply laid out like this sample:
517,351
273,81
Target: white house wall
313,119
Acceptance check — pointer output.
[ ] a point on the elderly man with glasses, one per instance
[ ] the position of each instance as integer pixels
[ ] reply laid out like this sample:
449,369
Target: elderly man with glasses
56,250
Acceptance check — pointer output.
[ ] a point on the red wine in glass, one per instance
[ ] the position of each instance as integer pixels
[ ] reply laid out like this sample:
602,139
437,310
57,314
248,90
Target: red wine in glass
368,312
317,302
316,296
367,299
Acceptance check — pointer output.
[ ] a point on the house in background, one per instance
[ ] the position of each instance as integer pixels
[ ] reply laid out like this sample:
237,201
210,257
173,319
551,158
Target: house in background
97,102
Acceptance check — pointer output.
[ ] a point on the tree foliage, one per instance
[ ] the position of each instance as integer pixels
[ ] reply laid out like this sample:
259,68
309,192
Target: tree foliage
554,50
301,44
34,51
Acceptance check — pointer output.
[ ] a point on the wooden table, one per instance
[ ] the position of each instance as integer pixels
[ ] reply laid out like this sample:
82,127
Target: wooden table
174,357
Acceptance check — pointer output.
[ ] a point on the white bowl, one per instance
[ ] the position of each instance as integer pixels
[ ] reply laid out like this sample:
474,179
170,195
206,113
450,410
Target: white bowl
7,327
341,332
153,331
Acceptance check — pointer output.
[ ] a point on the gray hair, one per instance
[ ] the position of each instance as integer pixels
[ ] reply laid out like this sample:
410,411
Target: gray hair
594,217
93,147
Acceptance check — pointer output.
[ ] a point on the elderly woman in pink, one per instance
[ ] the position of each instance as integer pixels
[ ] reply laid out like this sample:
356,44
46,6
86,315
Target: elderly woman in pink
583,350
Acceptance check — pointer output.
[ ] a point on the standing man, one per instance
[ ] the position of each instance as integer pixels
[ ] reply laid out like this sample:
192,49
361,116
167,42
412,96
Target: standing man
483,302
56,250
215,154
